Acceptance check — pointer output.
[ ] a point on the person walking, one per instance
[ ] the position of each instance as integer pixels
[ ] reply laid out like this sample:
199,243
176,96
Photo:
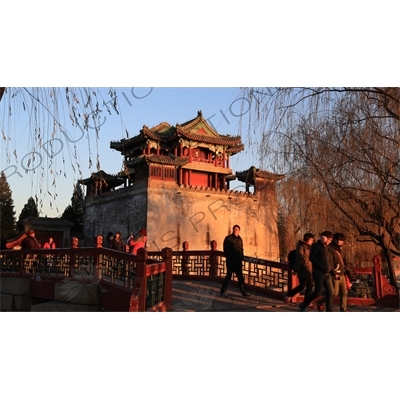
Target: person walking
233,249
303,267
322,268
339,278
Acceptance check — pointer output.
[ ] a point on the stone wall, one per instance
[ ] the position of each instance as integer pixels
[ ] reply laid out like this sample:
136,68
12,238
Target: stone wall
14,294
123,210
173,214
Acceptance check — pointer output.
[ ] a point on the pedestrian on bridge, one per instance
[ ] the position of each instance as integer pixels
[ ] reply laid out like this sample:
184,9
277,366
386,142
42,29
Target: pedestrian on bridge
233,249
322,269
303,267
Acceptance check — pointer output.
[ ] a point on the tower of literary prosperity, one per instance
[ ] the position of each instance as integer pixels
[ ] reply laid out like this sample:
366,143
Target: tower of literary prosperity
177,183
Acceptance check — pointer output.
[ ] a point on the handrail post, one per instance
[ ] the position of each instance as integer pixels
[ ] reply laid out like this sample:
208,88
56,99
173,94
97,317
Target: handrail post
213,259
167,259
185,258
98,256
21,264
74,245
138,297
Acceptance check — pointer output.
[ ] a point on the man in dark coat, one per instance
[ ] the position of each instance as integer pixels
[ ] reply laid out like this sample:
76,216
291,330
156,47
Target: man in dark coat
322,269
303,267
233,249
30,241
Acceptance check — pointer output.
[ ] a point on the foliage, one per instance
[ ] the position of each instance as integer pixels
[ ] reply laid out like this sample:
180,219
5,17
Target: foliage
7,212
30,209
347,140
75,212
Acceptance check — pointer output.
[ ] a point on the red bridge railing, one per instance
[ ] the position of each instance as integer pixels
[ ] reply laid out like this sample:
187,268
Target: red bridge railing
273,279
117,273
144,282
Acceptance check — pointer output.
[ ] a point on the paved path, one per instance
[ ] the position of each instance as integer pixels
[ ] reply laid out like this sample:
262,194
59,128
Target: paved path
204,296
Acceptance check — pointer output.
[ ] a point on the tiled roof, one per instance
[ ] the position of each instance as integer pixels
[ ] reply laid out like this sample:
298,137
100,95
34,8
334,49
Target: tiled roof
158,159
112,180
197,129
252,173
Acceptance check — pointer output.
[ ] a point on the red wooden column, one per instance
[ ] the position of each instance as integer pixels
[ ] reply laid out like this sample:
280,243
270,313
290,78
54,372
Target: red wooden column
138,297
98,240
167,259
293,281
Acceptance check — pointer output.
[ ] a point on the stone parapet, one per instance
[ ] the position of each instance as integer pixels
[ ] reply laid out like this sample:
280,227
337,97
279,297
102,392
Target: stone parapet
59,306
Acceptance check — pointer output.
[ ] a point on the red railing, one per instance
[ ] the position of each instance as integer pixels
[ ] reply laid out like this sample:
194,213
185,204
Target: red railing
117,274
144,282
274,279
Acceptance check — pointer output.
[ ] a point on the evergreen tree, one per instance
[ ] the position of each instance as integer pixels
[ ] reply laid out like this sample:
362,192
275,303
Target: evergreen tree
7,212
30,210
76,211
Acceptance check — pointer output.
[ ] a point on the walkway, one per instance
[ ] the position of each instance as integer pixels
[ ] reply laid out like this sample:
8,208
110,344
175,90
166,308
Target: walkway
189,296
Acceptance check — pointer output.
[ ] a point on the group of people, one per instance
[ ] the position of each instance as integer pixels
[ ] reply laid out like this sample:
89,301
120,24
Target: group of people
320,267
30,241
132,244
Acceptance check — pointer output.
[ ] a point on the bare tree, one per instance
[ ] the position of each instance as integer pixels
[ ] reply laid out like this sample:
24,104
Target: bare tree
348,138
59,118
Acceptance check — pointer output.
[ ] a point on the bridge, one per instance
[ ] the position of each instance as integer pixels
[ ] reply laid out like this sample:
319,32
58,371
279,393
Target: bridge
101,279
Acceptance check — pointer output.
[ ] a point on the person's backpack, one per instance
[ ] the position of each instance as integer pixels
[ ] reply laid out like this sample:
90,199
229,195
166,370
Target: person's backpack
292,260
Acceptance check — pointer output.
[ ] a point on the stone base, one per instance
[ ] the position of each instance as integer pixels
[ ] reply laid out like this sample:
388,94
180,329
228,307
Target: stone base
23,303
59,306
15,286
6,302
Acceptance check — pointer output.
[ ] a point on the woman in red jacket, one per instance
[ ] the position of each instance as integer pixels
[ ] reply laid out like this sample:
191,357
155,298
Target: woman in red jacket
49,244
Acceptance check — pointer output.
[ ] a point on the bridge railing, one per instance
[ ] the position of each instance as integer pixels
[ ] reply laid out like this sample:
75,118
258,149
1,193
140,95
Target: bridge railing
274,279
118,274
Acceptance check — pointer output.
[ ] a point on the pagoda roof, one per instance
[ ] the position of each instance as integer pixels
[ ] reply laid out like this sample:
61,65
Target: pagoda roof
249,176
196,129
158,159
101,176
45,223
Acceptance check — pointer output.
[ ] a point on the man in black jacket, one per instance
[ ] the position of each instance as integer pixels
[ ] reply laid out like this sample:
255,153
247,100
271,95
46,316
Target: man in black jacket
322,269
233,249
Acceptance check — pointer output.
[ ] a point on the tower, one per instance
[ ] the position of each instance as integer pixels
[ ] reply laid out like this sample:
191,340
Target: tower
176,184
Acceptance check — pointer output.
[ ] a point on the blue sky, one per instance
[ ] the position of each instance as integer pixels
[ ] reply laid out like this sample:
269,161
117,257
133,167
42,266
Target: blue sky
138,106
